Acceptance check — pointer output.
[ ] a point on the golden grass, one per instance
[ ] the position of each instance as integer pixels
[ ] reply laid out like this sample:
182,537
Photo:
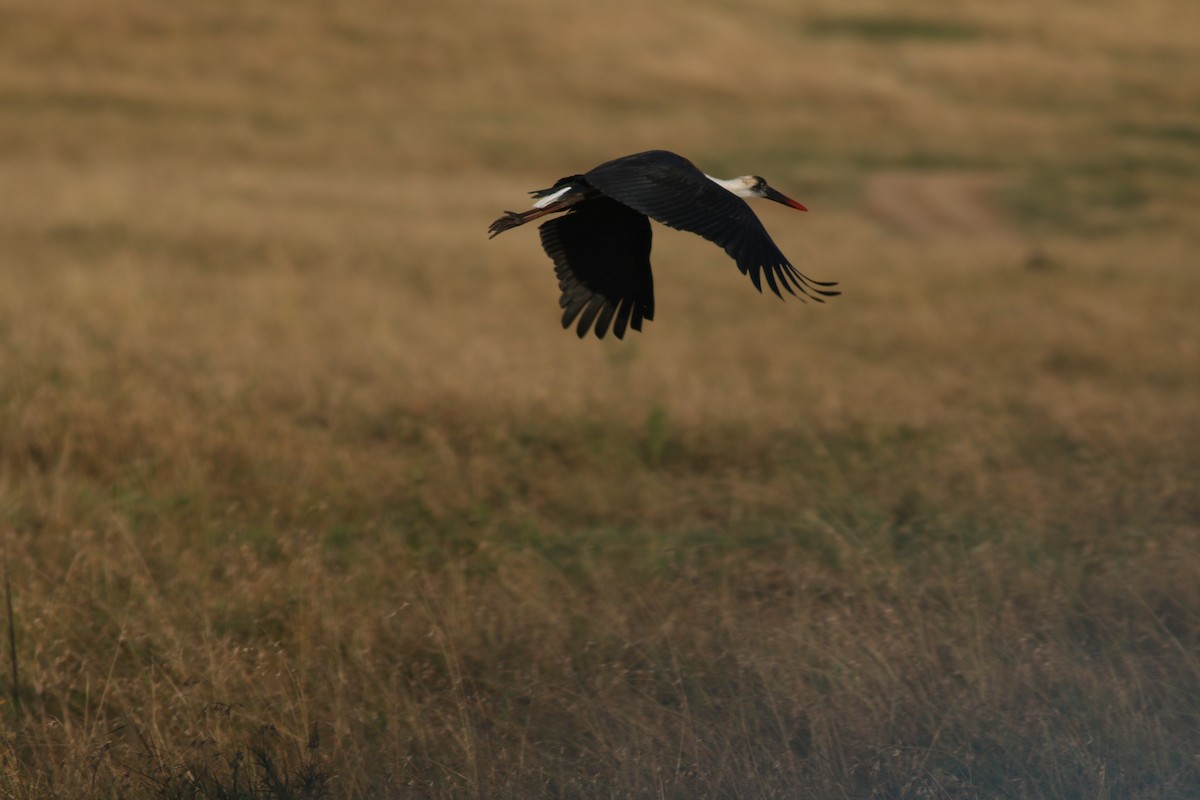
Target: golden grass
304,493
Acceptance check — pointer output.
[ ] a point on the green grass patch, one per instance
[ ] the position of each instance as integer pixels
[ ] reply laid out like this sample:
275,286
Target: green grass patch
1101,196
1181,133
894,28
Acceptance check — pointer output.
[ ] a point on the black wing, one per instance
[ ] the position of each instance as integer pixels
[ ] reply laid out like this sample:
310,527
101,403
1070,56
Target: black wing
601,254
673,191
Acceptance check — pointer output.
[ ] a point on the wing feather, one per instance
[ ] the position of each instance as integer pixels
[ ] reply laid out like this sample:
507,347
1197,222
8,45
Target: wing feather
670,189
601,254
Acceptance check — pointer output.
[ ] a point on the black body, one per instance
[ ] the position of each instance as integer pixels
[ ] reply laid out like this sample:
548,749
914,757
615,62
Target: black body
601,246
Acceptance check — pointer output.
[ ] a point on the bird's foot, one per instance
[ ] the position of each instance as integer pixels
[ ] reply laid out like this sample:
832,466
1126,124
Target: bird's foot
511,219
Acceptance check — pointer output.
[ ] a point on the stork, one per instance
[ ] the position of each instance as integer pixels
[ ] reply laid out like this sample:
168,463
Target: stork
601,246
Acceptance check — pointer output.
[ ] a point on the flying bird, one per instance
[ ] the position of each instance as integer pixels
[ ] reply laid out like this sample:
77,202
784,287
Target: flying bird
601,246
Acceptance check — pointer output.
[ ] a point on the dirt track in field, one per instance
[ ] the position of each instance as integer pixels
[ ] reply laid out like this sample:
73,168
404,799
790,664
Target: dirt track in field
931,206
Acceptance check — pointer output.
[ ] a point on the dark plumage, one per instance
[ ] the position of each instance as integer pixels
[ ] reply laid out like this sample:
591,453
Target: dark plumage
601,246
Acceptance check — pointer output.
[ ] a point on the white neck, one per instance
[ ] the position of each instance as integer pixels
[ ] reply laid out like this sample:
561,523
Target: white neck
739,186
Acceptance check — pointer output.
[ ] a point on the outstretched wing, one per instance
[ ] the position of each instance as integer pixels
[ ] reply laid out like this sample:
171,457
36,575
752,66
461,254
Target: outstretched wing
670,189
601,254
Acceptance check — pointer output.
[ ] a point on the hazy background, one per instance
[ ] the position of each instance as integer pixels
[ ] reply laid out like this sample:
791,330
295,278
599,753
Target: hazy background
304,491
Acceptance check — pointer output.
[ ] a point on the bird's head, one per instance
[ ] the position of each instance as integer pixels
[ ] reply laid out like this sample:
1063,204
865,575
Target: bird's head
754,186
758,188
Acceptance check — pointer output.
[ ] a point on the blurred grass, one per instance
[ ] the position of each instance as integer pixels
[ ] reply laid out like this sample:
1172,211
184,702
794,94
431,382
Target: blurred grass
304,493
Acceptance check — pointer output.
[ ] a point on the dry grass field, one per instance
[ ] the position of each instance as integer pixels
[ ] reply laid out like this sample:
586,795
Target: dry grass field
304,492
